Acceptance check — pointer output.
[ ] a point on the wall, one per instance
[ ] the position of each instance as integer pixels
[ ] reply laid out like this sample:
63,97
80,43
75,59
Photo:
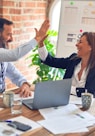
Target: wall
76,18
26,15
49,4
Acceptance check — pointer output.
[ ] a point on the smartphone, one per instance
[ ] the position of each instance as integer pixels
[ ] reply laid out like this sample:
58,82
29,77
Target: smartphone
19,125
79,91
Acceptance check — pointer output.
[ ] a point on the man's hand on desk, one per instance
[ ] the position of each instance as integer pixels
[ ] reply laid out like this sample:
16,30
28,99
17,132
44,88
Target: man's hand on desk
25,90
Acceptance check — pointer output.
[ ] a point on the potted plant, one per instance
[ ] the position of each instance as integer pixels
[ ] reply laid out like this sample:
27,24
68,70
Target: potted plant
43,71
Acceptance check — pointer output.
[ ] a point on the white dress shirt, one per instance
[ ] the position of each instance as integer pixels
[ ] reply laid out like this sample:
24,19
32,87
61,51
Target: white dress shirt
75,80
43,53
14,54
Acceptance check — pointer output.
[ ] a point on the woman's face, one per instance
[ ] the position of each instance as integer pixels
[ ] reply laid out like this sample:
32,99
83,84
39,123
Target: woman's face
83,47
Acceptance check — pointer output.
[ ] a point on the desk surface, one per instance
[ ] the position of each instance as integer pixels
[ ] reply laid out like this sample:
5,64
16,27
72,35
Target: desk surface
35,115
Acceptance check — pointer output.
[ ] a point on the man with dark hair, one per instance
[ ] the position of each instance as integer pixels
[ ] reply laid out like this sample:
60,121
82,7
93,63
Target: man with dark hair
7,68
4,21
20,51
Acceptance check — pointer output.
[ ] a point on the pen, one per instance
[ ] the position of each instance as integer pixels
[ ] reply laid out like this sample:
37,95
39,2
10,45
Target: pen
9,121
80,115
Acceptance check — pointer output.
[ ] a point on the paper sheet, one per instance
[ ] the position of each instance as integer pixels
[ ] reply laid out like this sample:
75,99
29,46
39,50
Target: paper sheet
59,111
16,96
66,119
66,124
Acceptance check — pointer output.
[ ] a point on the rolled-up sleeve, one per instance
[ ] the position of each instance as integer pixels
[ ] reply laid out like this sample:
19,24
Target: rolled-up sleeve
43,53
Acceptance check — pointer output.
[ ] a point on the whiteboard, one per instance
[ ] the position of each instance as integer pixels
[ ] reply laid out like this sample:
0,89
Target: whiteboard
76,17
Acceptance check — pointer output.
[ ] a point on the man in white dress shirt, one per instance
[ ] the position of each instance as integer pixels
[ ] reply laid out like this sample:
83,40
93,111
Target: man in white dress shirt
20,51
7,68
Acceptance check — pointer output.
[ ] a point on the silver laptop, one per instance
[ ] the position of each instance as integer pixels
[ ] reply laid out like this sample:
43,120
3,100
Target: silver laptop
50,94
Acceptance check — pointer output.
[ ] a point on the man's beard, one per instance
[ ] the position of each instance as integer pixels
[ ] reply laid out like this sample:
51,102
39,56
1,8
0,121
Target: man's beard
4,44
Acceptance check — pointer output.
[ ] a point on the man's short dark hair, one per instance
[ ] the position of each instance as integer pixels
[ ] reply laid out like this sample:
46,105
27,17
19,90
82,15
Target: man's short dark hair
4,21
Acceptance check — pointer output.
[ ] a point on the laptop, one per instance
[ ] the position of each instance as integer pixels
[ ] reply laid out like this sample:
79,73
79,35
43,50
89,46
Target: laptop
50,94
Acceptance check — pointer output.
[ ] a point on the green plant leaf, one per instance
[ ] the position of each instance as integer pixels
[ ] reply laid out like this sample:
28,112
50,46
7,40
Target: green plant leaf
43,71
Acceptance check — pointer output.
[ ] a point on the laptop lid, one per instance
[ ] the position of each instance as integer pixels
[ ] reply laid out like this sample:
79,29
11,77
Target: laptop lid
50,94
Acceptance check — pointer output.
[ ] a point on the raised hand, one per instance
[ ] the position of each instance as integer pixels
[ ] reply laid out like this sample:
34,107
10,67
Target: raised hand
42,33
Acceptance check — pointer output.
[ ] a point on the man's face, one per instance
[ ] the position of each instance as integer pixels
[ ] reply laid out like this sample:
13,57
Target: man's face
7,33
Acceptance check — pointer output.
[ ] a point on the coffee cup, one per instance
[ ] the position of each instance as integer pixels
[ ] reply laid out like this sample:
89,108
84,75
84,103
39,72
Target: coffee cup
8,97
86,100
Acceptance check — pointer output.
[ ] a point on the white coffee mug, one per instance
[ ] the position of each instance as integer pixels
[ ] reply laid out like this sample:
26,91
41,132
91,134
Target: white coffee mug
8,97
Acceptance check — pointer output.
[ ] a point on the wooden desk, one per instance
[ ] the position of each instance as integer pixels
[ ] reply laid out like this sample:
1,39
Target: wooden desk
35,115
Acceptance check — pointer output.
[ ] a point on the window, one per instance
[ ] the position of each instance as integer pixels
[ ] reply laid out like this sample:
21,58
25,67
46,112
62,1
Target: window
54,14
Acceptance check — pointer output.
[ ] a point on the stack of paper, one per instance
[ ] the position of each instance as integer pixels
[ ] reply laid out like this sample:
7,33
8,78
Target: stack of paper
66,119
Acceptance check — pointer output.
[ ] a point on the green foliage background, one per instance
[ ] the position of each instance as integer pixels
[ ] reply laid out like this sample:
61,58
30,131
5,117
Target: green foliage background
43,71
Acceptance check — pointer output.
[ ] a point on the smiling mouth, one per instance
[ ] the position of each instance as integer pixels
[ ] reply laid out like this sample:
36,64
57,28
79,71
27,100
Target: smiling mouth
9,41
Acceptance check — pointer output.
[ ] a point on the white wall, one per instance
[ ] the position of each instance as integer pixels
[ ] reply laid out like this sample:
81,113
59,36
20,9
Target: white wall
76,17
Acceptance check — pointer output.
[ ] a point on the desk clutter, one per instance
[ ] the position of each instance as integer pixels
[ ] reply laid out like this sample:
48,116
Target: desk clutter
28,124
57,120
66,119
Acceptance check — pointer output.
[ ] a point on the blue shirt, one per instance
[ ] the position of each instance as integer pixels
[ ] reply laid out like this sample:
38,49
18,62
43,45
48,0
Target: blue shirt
13,74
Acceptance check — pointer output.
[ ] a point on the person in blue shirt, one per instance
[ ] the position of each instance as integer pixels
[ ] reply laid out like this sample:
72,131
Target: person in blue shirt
6,32
79,66
7,68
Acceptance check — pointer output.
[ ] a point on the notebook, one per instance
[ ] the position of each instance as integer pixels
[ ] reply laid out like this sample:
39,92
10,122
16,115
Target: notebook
50,94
